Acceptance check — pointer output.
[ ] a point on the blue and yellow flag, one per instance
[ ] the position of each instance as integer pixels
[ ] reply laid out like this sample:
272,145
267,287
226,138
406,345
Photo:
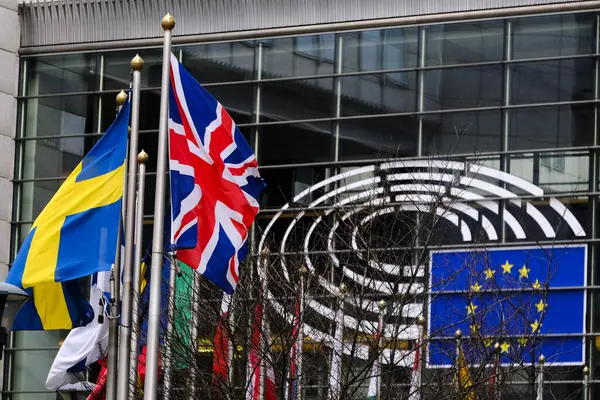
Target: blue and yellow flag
74,236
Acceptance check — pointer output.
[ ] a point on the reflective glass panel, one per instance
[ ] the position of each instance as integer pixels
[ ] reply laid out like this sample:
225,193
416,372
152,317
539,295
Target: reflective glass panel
378,137
296,100
551,127
462,132
220,62
299,56
65,115
117,71
463,87
464,43
295,143
379,93
552,81
283,184
379,49
63,74
553,35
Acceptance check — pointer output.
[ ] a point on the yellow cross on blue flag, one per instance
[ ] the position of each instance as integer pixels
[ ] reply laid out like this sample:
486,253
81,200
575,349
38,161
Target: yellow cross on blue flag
74,236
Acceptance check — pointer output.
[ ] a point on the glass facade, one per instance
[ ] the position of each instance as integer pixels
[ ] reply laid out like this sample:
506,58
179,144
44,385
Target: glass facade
519,95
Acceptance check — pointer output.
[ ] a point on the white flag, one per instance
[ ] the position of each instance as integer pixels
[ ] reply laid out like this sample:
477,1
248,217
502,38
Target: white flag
335,376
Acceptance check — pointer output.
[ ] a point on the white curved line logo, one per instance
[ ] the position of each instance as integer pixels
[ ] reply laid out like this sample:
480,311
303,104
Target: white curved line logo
457,184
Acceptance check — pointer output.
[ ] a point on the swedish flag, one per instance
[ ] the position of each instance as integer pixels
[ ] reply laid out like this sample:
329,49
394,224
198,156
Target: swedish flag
74,236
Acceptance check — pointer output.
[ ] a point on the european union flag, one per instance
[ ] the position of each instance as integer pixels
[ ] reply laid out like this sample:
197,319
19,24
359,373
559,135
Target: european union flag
74,236
530,300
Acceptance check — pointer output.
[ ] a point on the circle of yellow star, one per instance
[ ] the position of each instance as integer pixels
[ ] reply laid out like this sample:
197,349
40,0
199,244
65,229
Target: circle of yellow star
476,287
541,306
471,308
535,326
489,273
504,347
536,285
524,272
507,267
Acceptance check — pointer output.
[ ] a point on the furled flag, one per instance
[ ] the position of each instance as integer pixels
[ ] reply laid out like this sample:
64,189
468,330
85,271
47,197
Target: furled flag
84,345
215,182
53,256
415,376
223,350
258,362
374,381
463,376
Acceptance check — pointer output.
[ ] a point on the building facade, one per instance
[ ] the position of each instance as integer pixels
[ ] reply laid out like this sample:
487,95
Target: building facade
318,88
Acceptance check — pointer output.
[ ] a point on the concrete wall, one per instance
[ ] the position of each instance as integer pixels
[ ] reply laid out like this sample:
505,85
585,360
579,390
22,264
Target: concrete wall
9,78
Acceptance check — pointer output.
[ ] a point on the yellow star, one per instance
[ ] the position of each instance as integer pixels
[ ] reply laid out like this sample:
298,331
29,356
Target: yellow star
475,328
471,308
541,306
535,326
507,267
489,273
488,342
522,341
504,347
476,287
524,272
536,285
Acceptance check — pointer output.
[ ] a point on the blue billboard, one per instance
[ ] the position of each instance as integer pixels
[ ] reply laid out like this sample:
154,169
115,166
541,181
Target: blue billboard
529,300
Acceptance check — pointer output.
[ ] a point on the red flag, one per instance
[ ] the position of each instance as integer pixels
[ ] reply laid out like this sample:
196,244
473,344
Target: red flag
222,354
255,360
100,390
142,367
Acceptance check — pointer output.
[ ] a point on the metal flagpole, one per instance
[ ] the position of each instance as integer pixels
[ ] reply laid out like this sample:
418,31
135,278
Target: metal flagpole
586,377
494,395
151,383
300,338
194,333
167,386
382,308
335,375
458,337
540,379
125,329
142,158
115,279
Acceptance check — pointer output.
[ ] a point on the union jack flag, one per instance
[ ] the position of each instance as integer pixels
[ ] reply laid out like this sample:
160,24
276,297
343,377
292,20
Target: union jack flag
215,182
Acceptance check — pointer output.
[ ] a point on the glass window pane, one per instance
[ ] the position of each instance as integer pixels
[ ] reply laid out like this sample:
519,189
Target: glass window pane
299,56
446,89
464,43
378,138
220,62
379,93
117,72
379,49
283,184
63,74
462,132
551,127
35,196
296,100
551,36
65,115
552,81
295,143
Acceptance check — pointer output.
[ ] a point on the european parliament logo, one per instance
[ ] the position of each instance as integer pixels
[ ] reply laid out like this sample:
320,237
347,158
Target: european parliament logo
529,300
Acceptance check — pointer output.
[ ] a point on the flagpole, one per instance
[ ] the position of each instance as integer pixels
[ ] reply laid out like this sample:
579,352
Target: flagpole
300,338
194,333
126,305
458,337
586,377
495,373
168,385
335,375
415,380
382,307
150,385
142,158
540,379
115,279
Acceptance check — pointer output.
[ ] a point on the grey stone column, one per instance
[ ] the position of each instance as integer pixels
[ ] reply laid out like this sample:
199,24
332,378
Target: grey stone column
9,78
